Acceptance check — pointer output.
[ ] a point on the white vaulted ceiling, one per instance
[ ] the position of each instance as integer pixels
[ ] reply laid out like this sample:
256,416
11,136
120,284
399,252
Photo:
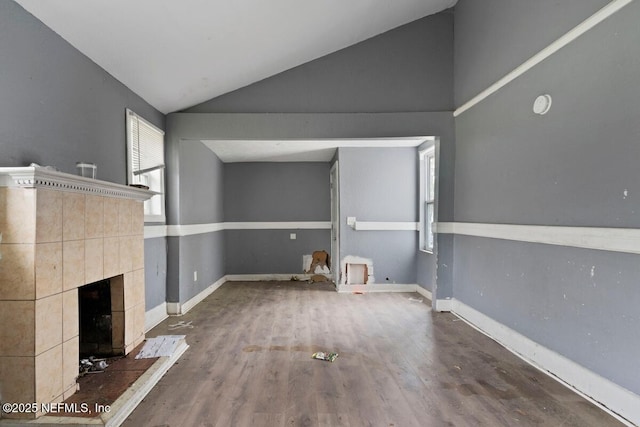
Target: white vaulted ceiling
178,53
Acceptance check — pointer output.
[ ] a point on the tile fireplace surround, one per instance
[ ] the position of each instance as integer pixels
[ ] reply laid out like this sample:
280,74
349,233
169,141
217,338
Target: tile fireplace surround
60,232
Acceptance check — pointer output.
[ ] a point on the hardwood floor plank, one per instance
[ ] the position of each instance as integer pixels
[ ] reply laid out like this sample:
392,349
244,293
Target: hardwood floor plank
399,364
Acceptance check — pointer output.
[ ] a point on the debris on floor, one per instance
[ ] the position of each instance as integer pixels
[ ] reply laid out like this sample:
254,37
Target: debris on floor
181,324
318,278
160,346
321,355
92,366
415,299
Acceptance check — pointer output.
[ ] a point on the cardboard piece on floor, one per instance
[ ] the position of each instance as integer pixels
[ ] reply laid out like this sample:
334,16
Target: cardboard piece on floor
160,346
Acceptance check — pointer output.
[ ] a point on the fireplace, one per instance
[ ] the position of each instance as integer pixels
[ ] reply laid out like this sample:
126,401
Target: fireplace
61,232
101,332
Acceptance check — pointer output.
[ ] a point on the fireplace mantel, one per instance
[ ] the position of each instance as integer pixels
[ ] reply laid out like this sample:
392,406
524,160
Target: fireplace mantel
42,177
60,232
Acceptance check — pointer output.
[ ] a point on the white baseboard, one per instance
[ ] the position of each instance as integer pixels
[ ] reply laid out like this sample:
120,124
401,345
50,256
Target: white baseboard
188,305
173,309
264,277
424,292
178,309
378,287
444,304
154,316
614,399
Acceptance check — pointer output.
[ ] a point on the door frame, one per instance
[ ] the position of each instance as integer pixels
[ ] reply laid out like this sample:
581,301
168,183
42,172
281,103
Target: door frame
334,182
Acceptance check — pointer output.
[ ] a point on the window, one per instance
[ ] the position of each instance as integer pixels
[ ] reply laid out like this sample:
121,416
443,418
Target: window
145,162
428,197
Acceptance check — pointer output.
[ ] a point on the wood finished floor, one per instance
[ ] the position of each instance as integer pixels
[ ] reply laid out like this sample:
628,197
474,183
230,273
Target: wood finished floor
399,364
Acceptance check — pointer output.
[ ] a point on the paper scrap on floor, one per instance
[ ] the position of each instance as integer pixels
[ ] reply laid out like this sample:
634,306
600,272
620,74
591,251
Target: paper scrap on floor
321,355
160,346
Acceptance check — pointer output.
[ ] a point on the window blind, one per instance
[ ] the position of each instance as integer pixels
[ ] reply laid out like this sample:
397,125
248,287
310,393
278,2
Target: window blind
147,146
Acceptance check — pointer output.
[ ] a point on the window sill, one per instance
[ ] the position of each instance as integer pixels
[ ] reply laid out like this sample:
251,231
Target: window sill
427,251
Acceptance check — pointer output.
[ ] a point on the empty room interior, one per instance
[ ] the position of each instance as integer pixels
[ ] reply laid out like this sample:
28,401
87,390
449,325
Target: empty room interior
444,193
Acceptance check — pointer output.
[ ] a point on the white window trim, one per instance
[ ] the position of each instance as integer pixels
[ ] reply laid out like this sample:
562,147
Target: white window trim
424,155
130,170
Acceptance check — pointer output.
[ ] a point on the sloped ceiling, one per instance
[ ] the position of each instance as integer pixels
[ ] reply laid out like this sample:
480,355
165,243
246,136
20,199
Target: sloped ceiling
178,53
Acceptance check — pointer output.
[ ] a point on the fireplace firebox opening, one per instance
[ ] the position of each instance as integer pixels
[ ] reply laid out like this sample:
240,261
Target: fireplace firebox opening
100,317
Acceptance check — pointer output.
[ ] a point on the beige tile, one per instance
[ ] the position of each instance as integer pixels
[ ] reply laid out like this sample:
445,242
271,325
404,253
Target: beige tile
138,320
117,330
126,261
49,375
48,269
17,327
18,215
137,252
133,288
111,220
124,217
117,292
137,218
73,264
48,317
70,392
17,376
111,256
94,217
128,326
93,260
17,272
70,315
133,324
70,352
73,212
130,347
48,215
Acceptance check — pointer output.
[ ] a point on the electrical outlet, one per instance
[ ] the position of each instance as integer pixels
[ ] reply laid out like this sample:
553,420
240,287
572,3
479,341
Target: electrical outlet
292,236
195,276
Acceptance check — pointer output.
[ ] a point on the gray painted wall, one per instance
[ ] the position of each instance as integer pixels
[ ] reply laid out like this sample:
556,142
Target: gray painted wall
275,192
580,303
569,167
310,126
493,37
380,184
199,201
409,68
58,107
155,271
205,254
406,69
271,251
201,184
